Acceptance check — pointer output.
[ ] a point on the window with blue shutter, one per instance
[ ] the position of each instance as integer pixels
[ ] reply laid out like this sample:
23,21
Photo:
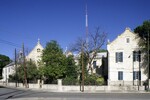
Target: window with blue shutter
136,75
119,57
120,75
137,56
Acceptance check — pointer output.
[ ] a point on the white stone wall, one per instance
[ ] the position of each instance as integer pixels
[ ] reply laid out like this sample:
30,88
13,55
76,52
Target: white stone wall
55,87
127,66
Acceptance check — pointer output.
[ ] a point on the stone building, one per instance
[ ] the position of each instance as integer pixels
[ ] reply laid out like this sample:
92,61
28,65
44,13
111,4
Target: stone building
36,53
124,60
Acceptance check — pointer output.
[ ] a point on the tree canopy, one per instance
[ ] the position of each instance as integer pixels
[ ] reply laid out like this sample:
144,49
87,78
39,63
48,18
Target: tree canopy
4,60
31,72
144,33
55,62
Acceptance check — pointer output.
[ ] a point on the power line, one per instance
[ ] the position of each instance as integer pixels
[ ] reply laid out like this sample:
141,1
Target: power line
9,43
12,44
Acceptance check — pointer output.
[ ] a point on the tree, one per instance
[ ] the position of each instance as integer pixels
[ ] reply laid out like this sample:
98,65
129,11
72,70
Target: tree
31,70
144,33
91,47
55,61
71,69
4,60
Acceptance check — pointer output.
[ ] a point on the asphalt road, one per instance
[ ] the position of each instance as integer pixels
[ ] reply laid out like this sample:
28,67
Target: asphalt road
18,94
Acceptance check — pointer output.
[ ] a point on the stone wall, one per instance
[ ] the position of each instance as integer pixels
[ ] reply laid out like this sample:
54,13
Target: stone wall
59,88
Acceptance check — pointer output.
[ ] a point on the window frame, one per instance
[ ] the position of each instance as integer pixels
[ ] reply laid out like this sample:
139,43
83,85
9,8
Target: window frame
127,40
94,64
136,56
120,75
38,50
119,57
136,75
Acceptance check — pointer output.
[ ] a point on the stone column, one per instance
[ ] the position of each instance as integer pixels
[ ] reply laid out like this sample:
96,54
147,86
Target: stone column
59,81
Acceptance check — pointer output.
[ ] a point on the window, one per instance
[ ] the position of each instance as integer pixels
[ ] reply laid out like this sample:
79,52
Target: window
119,57
127,40
136,75
94,64
120,75
137,56
38,50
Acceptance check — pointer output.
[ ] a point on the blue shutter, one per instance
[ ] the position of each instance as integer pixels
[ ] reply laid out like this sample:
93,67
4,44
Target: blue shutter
134,75
139,75
120,75
121,56
134,56
116,57
139,56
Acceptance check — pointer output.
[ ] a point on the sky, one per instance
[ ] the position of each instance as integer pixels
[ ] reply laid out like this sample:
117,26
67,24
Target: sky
24,21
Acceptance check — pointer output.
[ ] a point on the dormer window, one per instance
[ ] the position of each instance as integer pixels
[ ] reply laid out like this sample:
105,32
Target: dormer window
38,50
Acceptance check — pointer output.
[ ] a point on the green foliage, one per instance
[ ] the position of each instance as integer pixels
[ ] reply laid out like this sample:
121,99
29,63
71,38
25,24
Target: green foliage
144,31
71,69
55,61
94,80
100,81
4,60
69,81
31,72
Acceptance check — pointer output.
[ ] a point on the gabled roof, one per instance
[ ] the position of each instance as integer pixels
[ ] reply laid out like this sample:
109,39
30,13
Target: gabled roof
127,30
10,64
38,45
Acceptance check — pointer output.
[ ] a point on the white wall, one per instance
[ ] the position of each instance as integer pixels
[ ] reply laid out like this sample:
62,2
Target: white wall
55,87
8,70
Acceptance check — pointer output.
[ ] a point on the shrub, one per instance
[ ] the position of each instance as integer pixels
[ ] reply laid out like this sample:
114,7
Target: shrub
100,81
94,80
69,81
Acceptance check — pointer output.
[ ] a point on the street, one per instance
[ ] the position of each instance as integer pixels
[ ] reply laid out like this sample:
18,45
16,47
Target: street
27,94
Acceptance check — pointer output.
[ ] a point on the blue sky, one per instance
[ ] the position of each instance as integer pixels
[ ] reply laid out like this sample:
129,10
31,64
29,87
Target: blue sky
24,21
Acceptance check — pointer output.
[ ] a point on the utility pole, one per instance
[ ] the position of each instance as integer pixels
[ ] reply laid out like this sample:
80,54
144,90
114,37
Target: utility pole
139,55
16,67
82,69
148,60
24,65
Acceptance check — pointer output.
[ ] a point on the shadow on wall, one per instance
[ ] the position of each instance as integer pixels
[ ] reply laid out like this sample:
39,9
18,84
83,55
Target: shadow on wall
103,69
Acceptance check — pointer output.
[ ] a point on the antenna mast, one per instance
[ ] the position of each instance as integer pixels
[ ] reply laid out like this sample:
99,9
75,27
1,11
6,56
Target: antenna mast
86,23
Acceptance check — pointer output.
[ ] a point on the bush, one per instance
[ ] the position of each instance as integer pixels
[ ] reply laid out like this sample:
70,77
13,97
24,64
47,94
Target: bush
94,80
69,81
100,81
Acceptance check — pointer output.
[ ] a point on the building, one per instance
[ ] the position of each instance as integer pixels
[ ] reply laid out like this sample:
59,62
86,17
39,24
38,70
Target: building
99,64
36,53
8,70
124,60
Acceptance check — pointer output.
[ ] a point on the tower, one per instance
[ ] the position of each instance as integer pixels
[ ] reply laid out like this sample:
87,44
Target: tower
86,24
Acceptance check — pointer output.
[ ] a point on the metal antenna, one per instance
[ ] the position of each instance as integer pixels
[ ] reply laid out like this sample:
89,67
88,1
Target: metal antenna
86,23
